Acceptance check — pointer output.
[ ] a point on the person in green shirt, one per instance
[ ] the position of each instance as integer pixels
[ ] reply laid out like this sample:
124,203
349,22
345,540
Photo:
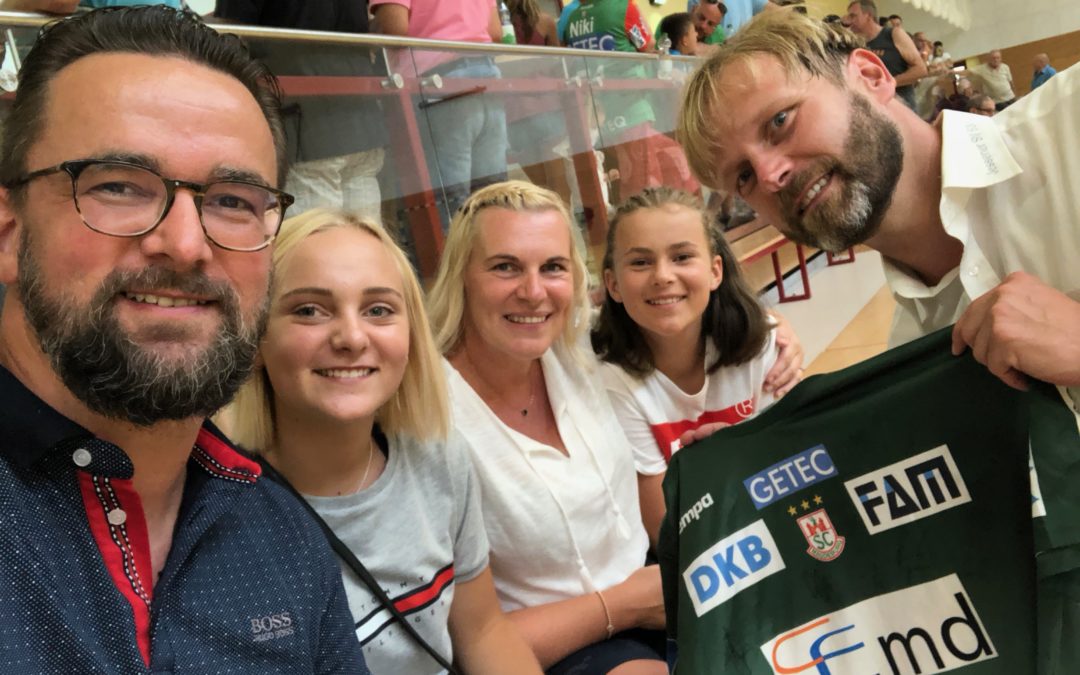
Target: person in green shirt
708,18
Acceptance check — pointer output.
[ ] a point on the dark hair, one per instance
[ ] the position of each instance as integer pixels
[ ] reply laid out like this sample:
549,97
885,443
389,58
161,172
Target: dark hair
734,319
152,30
894,16
675,26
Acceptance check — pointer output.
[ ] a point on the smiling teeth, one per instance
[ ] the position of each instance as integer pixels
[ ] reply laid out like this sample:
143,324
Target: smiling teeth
527,319
162,301
665,301
814,190
347,372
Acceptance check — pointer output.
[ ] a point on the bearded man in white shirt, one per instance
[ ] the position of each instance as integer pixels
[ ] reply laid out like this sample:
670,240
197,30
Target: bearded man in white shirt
977,221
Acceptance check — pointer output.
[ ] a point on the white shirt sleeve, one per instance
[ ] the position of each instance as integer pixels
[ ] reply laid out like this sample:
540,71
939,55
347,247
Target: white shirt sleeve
648,459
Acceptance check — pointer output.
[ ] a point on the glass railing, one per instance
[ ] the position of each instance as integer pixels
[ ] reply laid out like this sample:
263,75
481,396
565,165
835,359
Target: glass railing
404,129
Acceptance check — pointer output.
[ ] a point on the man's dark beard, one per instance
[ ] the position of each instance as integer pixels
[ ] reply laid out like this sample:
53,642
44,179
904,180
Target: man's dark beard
115,376
866,176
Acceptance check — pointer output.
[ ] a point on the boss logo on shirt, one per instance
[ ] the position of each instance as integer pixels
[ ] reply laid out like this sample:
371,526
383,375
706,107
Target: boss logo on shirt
929,628
271,626
789,476
908,490
730,566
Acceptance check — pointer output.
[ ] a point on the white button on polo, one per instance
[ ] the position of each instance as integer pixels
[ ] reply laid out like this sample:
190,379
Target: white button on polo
81,457
973,271
117,517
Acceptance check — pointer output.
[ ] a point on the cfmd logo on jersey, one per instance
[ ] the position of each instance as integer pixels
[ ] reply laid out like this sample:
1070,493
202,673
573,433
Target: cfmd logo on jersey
825,544
791,475
924,629
730,566
908,490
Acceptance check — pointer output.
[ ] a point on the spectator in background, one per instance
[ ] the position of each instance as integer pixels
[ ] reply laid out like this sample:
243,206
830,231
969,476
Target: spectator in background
997,79
644,155
465,133
740,11
536,124
893,46
1043,71
895,21
708,17
939,55
981,104
335,142
531,26
680,29
959,99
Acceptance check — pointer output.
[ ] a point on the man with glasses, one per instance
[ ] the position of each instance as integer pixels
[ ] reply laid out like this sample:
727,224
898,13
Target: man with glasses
981,104
135,219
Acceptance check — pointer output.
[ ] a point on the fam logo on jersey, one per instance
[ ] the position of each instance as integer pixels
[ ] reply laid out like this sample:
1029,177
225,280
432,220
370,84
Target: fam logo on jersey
909,490
924,629
730,566
789,476
825,544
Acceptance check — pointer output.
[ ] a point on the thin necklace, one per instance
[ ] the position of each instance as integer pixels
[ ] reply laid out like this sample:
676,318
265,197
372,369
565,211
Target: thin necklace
498,394
532,397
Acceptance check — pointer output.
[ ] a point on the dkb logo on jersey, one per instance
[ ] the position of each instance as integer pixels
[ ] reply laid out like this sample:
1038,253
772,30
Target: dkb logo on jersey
790,475
730,566
908,490
924,629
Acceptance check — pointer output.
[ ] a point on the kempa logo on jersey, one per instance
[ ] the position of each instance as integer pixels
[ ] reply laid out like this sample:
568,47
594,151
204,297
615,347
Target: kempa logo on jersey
924,629
908,490
730,566
694,511
789,476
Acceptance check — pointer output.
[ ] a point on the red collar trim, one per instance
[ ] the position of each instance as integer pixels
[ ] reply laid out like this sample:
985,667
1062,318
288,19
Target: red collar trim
221,460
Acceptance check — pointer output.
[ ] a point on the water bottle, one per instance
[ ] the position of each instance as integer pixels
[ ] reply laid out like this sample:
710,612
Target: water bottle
507,25
663,45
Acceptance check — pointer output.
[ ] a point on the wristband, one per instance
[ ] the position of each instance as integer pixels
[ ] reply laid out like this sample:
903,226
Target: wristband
607,615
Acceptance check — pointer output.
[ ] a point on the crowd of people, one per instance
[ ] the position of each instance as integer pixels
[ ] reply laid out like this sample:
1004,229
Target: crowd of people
240,437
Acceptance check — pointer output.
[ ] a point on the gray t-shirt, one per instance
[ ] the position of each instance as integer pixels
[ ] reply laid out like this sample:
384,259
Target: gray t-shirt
418,529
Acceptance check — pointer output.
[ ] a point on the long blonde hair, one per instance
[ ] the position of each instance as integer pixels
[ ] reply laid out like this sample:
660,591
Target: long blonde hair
419,407
446,300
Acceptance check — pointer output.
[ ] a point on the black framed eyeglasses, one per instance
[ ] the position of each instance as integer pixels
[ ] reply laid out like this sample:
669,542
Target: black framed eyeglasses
123,199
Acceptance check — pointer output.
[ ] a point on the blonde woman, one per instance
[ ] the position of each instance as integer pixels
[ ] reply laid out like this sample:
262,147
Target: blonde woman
557,478
349,406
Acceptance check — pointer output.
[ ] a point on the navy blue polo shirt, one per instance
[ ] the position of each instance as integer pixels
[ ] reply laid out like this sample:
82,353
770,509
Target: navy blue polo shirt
250,585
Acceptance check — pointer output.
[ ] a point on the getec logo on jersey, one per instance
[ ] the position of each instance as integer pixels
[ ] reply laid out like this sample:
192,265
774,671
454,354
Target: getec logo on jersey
924,629
730,566
908,490
789,476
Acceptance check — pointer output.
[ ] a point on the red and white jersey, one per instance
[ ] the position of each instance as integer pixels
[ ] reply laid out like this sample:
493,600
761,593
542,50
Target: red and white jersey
655,412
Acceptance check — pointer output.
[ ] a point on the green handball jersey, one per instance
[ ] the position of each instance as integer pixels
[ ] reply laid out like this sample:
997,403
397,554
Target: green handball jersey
877,520
614,25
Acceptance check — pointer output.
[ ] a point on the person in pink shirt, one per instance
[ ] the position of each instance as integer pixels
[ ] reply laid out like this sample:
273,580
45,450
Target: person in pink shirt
465,131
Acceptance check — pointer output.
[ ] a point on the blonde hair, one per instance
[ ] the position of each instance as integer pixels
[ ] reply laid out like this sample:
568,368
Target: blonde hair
801,44
419,407
446,301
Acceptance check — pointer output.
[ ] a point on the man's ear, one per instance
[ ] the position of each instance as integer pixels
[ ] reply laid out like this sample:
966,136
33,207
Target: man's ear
9,238
867,74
